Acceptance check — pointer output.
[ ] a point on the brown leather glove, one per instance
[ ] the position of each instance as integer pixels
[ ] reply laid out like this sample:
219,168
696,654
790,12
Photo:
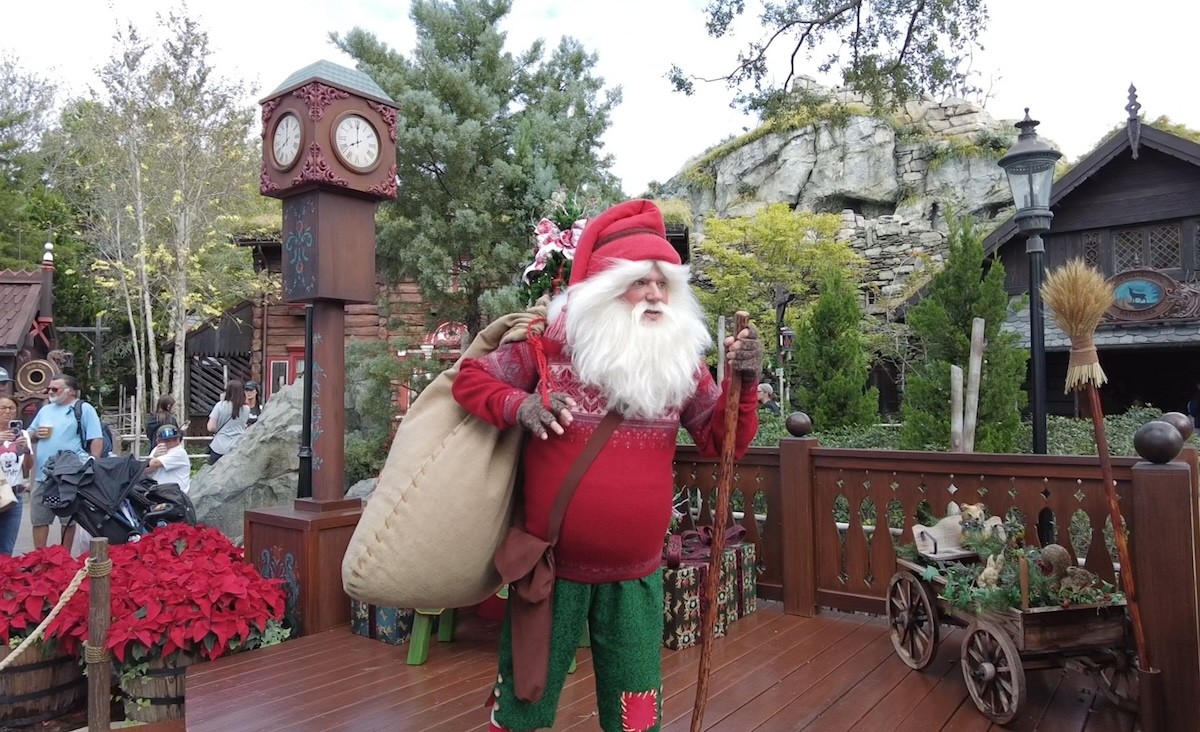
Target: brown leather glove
533,415
745,353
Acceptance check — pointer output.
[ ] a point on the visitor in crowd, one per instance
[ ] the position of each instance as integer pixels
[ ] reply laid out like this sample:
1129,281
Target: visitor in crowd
169,461
254,401
14,459
55,429
164,413
766,398
227,421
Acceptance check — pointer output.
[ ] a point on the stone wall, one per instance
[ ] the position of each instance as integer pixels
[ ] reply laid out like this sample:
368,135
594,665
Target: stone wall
892,179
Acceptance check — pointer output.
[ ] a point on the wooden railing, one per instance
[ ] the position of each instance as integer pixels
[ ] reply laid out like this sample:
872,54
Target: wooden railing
819,545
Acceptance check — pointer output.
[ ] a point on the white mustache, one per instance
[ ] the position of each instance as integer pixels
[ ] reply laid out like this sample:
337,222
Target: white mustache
644,307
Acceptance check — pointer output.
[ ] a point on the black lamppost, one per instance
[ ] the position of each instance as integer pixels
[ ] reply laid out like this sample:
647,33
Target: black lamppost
782,298
1029,165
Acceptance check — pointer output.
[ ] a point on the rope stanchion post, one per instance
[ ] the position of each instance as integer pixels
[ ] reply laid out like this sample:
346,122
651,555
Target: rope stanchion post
99,659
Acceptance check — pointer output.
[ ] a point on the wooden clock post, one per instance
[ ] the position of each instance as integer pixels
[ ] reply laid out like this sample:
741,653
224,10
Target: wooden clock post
329,152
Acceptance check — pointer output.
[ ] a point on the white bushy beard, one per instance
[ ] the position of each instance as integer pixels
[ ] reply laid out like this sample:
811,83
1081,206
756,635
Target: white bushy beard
643,368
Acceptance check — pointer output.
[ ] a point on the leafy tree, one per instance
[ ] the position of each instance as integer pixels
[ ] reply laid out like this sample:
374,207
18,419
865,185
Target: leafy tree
484,140
26,101
968,287
830,363
885,48
163,170
743,259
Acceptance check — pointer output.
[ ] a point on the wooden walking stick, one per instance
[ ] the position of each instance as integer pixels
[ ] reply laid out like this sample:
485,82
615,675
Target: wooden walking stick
1078,295
708,593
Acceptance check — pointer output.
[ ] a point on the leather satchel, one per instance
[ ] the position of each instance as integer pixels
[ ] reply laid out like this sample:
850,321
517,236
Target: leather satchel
526,563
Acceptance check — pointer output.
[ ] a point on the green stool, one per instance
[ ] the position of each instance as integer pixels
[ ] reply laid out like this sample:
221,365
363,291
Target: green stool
418,644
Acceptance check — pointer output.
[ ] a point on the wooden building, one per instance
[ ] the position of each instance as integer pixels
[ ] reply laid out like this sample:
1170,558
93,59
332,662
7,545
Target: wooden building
28,345
1131,208
276,354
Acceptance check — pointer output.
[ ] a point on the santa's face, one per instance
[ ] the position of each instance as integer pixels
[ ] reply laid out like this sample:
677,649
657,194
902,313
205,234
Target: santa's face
641,352
649,294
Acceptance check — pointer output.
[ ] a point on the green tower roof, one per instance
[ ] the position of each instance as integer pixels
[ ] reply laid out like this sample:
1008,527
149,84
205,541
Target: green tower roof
351,80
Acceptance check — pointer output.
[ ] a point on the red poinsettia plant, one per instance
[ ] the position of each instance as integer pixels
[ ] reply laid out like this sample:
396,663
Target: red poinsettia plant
189,589
30,586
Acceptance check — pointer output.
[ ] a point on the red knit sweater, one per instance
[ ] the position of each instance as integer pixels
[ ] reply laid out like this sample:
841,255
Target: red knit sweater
614,527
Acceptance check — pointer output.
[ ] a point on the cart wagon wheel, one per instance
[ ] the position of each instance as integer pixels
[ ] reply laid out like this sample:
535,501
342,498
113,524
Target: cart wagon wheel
912,616
1119,681
992,669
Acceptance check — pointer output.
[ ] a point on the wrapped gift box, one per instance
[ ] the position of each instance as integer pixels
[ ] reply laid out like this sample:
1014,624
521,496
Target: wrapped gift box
747,579
388,624
682,587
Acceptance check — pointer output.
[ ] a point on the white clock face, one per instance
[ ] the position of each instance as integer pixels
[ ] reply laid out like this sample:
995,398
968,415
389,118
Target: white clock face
285,143
356,142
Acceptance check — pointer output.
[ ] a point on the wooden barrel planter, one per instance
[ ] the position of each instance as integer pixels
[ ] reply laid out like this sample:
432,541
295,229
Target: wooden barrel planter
159,694
40,684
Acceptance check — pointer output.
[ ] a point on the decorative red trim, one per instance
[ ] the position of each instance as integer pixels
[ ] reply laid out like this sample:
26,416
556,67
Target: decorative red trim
268,110
265,184
319,96
385,188
317,169
389,116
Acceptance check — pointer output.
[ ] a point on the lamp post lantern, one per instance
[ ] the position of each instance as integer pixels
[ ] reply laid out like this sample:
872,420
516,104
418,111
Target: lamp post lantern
1029,165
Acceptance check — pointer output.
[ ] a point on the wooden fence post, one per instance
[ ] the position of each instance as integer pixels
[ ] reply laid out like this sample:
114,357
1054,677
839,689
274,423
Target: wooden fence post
796,500
1161,505
99,659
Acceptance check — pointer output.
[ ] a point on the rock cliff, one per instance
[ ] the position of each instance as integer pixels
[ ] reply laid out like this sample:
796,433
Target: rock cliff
891,176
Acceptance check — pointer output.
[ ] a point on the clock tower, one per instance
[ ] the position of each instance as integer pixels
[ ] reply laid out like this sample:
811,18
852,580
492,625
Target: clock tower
329,152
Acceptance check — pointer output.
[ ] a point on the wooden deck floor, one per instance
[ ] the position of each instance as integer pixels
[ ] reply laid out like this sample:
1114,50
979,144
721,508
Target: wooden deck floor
773,672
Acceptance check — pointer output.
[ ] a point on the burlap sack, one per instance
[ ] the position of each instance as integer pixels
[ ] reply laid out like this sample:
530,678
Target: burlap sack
443,501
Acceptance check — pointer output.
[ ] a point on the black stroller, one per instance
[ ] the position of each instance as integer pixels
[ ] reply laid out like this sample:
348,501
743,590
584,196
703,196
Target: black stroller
111,497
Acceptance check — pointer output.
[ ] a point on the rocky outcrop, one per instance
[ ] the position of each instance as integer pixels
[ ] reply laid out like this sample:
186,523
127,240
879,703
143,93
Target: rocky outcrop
891,178
262,469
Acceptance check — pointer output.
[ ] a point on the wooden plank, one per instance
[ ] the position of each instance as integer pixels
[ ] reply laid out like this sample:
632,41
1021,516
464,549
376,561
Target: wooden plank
892,709
772,672
807,669
838,684
732,684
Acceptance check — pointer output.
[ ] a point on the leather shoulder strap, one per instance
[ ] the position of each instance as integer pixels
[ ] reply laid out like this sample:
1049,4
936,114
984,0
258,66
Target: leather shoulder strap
595,443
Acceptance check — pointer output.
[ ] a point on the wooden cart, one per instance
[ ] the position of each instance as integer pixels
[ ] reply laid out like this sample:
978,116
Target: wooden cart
999,646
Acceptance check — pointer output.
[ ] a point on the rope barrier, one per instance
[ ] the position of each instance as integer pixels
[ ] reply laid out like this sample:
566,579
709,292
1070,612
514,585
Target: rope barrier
90,569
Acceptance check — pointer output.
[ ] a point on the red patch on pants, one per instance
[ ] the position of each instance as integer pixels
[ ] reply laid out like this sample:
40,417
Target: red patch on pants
639,710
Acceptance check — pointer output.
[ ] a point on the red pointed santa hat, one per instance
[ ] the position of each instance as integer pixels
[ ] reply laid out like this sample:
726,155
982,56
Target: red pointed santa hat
632,231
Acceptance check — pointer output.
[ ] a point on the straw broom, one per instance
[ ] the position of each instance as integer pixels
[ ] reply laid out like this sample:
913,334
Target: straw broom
1078,296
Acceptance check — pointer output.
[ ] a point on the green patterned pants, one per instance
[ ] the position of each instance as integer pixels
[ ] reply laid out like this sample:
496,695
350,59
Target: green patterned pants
625,620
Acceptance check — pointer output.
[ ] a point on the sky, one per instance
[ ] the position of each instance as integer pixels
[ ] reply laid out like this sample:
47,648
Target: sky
1074,76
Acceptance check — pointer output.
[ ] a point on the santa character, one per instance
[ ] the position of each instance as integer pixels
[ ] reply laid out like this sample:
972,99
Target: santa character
628,335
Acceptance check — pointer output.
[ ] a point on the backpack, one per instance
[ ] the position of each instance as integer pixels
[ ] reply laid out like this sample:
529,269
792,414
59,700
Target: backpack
105,430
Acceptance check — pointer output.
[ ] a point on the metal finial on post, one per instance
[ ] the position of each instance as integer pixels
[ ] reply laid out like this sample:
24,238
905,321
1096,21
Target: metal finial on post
1133,126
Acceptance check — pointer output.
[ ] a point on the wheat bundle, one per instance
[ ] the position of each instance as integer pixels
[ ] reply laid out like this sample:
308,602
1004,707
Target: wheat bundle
1078,296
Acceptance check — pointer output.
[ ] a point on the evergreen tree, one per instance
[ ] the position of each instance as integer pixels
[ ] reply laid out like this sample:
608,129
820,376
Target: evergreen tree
830,365
968,287
483,141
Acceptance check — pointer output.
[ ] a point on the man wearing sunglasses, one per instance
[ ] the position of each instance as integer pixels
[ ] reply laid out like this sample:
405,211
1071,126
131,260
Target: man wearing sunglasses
53,430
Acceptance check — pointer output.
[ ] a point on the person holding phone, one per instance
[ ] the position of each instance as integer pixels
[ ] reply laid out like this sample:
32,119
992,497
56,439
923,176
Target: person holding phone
14,463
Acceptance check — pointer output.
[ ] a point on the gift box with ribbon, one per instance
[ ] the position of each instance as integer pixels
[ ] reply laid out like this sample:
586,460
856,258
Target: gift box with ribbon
747,579
686,563
388,624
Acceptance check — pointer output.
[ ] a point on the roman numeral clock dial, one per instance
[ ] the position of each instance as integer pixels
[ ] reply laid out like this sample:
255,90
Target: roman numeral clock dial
285,143
356,143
